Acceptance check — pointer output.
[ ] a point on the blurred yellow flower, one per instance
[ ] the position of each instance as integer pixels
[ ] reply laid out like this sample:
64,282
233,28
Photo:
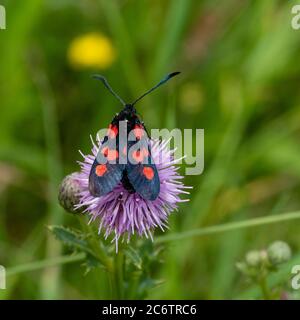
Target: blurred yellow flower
92,50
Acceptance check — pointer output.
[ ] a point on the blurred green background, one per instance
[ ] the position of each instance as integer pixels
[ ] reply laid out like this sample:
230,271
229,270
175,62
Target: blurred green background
240,82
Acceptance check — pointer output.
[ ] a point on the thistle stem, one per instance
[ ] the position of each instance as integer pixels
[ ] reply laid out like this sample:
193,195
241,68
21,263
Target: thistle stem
116,276
114,267
95,244
265,289
119,272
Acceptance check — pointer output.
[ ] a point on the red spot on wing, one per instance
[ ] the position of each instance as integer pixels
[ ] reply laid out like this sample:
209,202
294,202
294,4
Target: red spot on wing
138,131
100,170
139,155
112,154
112,131
104,151
148,172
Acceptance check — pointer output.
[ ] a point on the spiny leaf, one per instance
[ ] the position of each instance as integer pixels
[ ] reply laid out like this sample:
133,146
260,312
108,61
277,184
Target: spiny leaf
77,241
90,263
134,257
71,238
147,284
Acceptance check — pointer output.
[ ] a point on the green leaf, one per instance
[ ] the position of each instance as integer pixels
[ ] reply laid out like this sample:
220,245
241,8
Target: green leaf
71,238
77,241
147,284
134,257
91,262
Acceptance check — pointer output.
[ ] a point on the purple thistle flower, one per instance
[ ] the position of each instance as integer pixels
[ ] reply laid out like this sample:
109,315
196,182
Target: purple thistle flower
123,213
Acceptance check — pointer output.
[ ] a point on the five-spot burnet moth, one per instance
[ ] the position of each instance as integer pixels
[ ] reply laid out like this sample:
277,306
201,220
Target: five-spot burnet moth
138,173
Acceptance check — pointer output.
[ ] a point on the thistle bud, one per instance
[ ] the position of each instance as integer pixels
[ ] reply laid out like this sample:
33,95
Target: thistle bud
253,258
68,195
279,252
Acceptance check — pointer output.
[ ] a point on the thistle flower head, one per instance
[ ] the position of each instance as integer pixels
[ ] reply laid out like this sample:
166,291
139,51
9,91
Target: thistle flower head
69,193
123,213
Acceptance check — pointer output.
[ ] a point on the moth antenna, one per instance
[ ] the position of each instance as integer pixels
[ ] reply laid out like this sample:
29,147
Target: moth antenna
106,84
164,80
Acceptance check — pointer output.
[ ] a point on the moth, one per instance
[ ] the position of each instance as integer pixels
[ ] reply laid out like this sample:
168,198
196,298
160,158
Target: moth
138,172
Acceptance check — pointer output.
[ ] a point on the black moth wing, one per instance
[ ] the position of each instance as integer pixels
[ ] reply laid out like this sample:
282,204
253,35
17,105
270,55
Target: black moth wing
144,177
106,173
